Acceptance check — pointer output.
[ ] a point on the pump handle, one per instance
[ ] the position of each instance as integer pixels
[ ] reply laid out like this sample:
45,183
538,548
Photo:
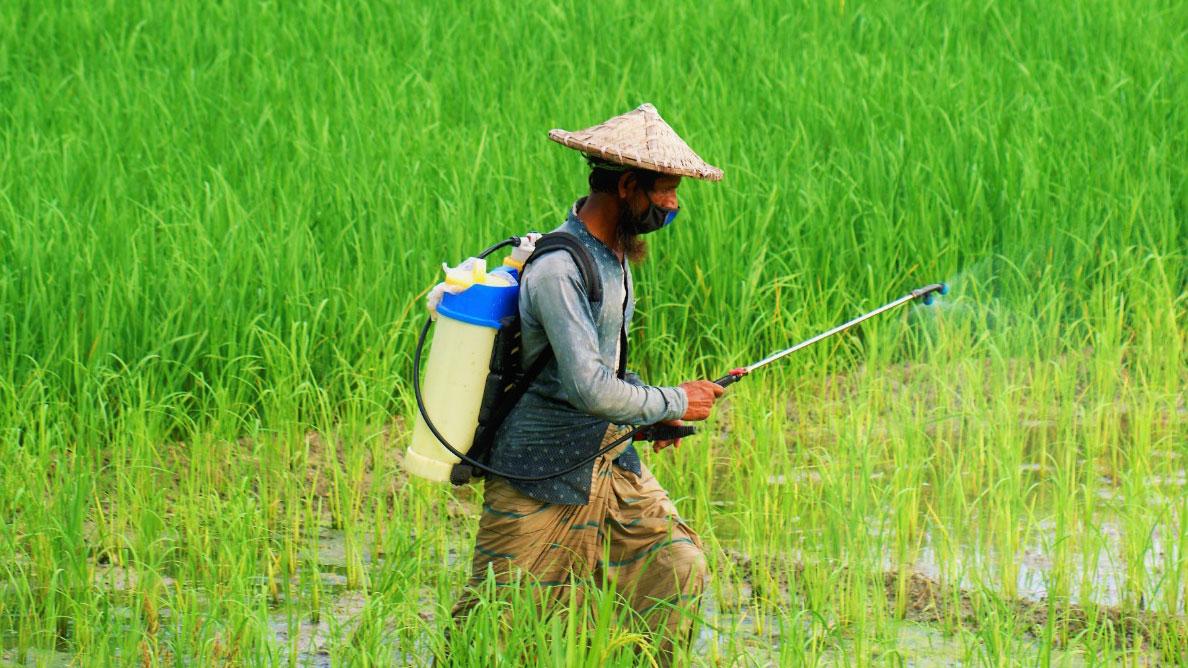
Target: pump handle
665,432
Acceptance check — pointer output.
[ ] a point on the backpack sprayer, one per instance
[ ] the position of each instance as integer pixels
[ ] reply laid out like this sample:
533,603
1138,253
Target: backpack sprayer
475,375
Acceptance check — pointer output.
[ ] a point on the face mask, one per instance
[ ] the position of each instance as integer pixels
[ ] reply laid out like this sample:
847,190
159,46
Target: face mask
654,218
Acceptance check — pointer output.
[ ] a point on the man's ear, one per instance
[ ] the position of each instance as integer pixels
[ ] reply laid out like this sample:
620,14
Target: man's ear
627,184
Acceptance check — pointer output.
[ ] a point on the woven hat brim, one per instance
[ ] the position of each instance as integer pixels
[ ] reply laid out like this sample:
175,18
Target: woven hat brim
701,170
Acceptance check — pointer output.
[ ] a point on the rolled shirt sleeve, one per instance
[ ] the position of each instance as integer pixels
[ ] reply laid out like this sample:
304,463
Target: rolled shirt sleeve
556,299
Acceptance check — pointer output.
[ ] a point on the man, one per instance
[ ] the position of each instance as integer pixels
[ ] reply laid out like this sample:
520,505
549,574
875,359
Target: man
610,519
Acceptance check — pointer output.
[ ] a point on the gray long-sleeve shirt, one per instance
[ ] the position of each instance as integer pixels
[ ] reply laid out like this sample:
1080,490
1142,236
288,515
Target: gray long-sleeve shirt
562,417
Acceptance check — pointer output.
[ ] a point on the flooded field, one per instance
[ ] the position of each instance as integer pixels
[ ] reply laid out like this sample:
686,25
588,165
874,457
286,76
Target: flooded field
845,529
935,605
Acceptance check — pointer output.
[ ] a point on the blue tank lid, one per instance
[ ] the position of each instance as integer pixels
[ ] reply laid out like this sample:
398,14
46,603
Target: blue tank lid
482,305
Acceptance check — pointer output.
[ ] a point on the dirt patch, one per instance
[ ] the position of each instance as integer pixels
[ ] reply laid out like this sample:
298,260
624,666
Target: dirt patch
377,464
926,600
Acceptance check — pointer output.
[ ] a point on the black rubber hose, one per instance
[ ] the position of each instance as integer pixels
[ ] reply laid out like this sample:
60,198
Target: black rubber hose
510,241
473,462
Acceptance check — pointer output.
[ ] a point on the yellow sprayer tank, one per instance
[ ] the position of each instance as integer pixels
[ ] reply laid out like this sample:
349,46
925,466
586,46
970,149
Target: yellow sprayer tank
472,304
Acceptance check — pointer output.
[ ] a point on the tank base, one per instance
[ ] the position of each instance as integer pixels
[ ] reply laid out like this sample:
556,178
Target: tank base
427,467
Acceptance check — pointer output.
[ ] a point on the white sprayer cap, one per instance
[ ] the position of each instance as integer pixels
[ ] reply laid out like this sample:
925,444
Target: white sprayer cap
521,253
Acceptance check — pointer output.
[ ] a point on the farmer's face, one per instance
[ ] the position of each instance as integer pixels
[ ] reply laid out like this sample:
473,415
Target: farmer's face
663,193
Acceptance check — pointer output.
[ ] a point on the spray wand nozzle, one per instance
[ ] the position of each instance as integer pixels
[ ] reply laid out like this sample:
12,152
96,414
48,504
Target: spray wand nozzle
928,292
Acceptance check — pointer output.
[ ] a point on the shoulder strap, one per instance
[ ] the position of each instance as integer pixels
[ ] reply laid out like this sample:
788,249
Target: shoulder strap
547,243
565,241
593,282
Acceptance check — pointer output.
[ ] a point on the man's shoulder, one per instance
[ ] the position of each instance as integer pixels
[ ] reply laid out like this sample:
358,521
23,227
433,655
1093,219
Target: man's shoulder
553,269
555,263
560,261
560,264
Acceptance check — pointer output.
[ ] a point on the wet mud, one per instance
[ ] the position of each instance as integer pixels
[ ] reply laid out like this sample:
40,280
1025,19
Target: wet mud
917,597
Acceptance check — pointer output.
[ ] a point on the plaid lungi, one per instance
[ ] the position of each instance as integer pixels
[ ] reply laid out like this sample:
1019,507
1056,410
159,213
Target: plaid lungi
629,534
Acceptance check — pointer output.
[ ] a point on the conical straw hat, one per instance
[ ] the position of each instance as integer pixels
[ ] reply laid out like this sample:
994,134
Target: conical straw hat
639,138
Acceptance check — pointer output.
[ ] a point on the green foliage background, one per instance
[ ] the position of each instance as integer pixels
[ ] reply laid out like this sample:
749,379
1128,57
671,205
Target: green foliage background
178,177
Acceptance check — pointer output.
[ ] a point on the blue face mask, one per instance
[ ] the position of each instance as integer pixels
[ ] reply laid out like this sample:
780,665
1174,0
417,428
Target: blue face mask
652,219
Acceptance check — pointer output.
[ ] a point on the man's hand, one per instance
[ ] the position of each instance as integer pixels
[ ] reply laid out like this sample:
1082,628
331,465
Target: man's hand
702,395
657,446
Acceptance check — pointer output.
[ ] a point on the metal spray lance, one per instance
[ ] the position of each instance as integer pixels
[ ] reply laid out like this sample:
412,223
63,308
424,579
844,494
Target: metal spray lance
925,294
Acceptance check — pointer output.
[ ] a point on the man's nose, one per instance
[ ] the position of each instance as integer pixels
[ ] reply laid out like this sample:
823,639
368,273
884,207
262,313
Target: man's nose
668,200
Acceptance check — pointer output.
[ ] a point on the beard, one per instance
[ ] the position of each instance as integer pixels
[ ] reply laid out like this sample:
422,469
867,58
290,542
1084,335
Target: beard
633,245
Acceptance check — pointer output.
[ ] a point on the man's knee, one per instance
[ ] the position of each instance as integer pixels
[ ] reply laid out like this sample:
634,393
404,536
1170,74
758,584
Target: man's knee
689,569
677,565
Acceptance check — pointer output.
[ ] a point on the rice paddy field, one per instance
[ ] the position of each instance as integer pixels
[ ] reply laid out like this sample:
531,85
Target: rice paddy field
218,222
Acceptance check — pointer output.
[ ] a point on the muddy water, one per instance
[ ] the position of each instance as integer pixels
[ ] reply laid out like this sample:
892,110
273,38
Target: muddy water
909,644
1099,574
39,658
1103,584
733,626
297,634
1097,555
